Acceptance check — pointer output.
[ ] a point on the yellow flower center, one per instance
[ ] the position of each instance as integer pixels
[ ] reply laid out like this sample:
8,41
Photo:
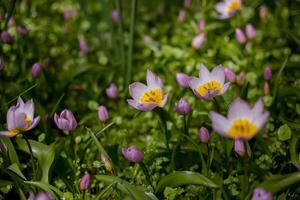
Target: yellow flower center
210,86
152,96
242,128
12,133
234,5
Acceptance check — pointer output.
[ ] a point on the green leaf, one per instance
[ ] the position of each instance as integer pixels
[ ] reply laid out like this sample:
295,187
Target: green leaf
184,178
46,187
277,183
295,157
12,154
131,190
284,132
43,153
15,168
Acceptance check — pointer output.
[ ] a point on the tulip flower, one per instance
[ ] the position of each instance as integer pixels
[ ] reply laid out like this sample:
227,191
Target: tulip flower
65,121
209,84
182,80
85,181
239,147
261,194
198,41
228,8
240,36
133,154
40,196
112,91
36,70
147,97
183,107
20,118
103,113
204,135
250,31
242,122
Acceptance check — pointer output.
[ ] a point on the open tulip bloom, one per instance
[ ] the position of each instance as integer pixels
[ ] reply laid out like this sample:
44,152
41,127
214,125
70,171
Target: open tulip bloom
147,97
20,118
242,122
227,8
209,84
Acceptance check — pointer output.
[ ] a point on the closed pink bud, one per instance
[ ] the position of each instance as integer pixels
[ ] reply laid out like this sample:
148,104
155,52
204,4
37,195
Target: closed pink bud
239,147
83,46
6,37
85,181
183,80
204,135
263,12
69,13
198,40
11,21
201,25
183,107
181,16
36,70
112,91
250,31
114,15
102,113
241,78
229,74
187,3
133,154
240,36
22,30
267,88
267,73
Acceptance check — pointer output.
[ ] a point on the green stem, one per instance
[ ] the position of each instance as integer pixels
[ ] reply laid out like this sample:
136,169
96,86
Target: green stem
217,106
131,37
186,131
245,178
31,156
147,174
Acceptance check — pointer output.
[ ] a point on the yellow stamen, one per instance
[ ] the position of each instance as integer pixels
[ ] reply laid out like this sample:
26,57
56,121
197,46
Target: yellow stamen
152,96
12,133
210,86
234,5
242,128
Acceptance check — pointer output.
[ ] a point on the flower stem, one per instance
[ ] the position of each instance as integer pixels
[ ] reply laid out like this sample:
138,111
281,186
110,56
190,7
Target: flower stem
186,131
31,156
217,106
162,114
146,172
245,178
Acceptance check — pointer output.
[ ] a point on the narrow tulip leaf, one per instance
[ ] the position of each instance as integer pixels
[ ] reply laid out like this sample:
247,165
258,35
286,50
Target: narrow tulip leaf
24,92
12,154
15,168
4,183
43,153
134,192
184,178
295,157
55,192
277,183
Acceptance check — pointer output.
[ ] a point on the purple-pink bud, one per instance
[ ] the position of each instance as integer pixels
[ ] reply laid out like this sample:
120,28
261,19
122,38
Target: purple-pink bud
198,40
229,74
65,121
187,3
114,15
183,80
133,154
181,16
267,88
22,30
183,107
241,78
201,25
102,113
11,21
250,31
40,196
204,135
85,181
239,147
69,13
240,36
36,70
83,46
112,91
263,12
2,63
267,73
6,37
261,194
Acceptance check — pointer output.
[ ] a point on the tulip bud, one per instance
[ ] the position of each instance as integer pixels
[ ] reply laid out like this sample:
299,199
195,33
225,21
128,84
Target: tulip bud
239,147
183,80
240,36
204,135
69,13
187,3
112,91
229,74
22,30
102,113
181,16
267,73
2,63
107,162
201,25
133,154
267,88
263,12
6,37
36,70
241,78
261,194
83,46
198,40
114,15
183,107
250,31
85,181
11,21
65,121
